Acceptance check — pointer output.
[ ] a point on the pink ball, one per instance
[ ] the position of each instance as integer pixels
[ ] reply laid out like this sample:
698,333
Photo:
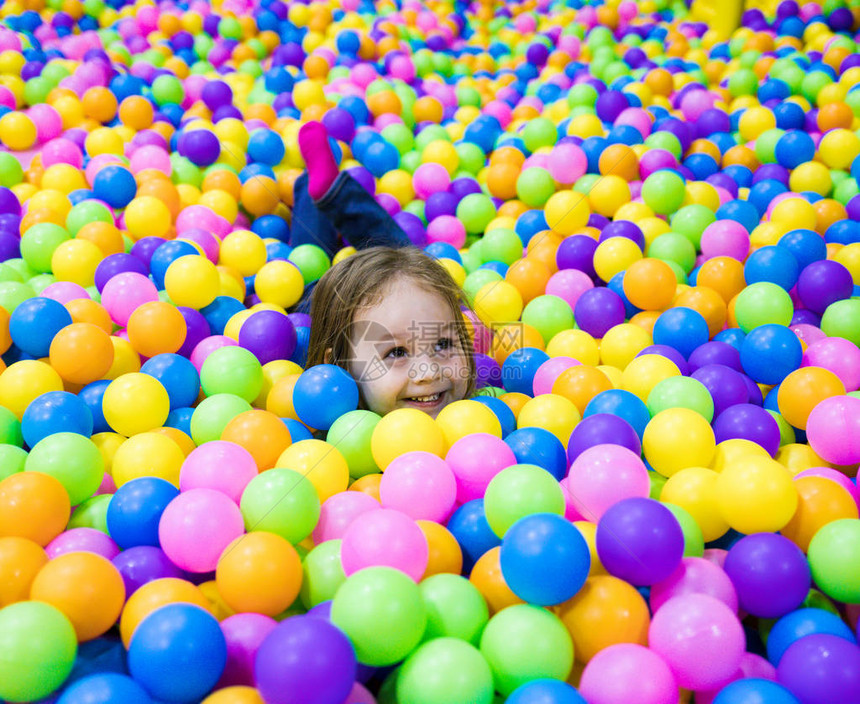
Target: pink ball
360,695
402,67
381,122
205,240
833,429
840,356
62,151
570,45
196,526
419,484
700,639
108,485
389,203
636,117
725,238
716,556
244,634
199,216
363,75
7,98
475,459
807,333
548,372
447,228
569,285
64,291
125,292
339,511
151,157
539,161
430,178
836,476
752,665
49,125
385,537
571,513
695,102
219,465
695,575
602,476
625,673
207,346
501,111
82,540
567,162
9,41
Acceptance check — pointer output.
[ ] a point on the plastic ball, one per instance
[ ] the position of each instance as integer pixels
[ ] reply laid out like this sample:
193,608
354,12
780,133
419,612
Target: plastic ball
35,506
756,494
677,438
135,403
615,672
830,429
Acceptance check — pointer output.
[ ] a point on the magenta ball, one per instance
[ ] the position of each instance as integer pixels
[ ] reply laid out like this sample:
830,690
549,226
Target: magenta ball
602,476
219,465
430,178
626,673
244,634
475,459
695,575
833,429
82,540
447,228
339,511
840,356
421,485
725,238
549,371
569,285
385,537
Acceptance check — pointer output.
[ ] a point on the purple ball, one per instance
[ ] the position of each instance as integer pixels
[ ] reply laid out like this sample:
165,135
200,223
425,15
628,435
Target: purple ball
640,541
305,659
537,54
748,422
300,320
489,371
610,105
115,264
712,120
10,246
682,130
770,574
804,316
142,564
598,310
821,669
364,178
225,112
623,228
598,221
577,252
771,171
753,390
853,207
413,227
269,335
822,283
244,633
216,94
340,124
440,203
669,353
463,186
201,147
144,248
726,386
656,160
715,352
197,329
9,201
724,181
10,224
602,429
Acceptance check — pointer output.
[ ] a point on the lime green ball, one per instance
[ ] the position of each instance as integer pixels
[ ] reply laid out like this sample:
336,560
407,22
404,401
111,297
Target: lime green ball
351,434
663,192
765,145
41,281
167,89
72,459
471,259
846,190
311,260
416,207
812,84
12,459
549,315
535,186
92,513
203,45
615,70
283,502
518,491
665,140
229,28
476,279
10,429
472,157
14,292
212,415
658,481
681,392
55,72
232,370
443,64
691,221
585,183
445,670
185,171
762,303
400,136
430,134
502,245
744,81
694,541
36,90
834,557
423,61
38,244
539,132
468,96
842,319
410,161
455,608
674,247
582,94
787,436
85,212
7,273
600,36
93,8
322,574
39,647
11,171
475,211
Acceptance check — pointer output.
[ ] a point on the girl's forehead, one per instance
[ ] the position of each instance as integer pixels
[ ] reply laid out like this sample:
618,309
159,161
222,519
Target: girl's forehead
406,306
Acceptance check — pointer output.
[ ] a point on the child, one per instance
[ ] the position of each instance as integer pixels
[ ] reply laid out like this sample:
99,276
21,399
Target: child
392,319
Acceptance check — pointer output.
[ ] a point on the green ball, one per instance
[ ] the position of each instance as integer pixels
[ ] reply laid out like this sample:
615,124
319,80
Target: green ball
585,183
283,502
167,89
229,28
12,459
834,557
7,273
92,513
476,280
763,303
430,134
841,319
812,84
471,261
663,192
311,260
38,244
519,491
681,392
502,244
185,171
765,145
351,434
658,481
475,211
374,596
203,45
73,460
691,221
400,136
41,281
787,436
694,541
10,428
549,315
322,574
39,647
12,293
445,670
816,600
212,414
410,161
846,190
55,72
535,186
524,643
85,212
472,157
416,207
674,247
455,608
539,132
468,96
743,81
232,370
36,90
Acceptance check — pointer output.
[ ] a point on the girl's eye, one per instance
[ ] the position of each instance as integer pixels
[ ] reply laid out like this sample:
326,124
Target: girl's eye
444,343
397,353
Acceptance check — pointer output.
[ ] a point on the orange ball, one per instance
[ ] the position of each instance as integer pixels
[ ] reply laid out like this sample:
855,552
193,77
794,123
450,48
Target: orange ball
740,155
650,284
543,247
724,275
86,310
660,81
529,276
163,189
445,552
261,433
136,112
507,155
514,337
502,180
104,235
580,384
20,562
222,180
834,116
619,160
427,109
259,572
384,102
86,587
487,577
827,212
154,595
515,401
705,146
708,303
33,506
259,196
803,389
156,327
819,501
99,104
368,484
81,353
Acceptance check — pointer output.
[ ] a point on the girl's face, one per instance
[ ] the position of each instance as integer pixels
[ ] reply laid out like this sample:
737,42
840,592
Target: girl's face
406,352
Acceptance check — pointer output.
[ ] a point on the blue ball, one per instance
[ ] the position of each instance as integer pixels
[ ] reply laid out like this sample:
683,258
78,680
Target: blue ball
770,352
177,375
502,411
55,412
774,264
544,559
545,692
271,227
380,157
800,623
115,185
180,418
348,42
789,116
683,329
135,510
443,250
92,395
794,148
219,312
322,394
763,192
483,131
178,653
266,147
468,524
807,246
740,211
34,323
298,431
520,367
529,224
540,447
623,404
755,691
105,688
843,232
356,107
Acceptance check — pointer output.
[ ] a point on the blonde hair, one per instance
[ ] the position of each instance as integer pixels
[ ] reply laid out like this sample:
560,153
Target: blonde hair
362,280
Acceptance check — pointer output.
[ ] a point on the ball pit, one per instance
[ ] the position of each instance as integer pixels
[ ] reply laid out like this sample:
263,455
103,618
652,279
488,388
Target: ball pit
655,217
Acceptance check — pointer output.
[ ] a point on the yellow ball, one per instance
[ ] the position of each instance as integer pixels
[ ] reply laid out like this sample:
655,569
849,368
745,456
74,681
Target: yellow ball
279,282
76,261
608,194
307,93
756,495
796,211
797,458
849,257
17,131
838,148
615,255
244,251
466,417
322,464
498,302
441,151
405,430
125,359
457,272
693,489
238,694
135,403
221,203
192,281
56,201
103,140
397,183
567,211
643,373
622,343
147,216
754,121
678,438
64,178
21,382
233,131
729,451
147,455
577,344
551,412
585,126
811,176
